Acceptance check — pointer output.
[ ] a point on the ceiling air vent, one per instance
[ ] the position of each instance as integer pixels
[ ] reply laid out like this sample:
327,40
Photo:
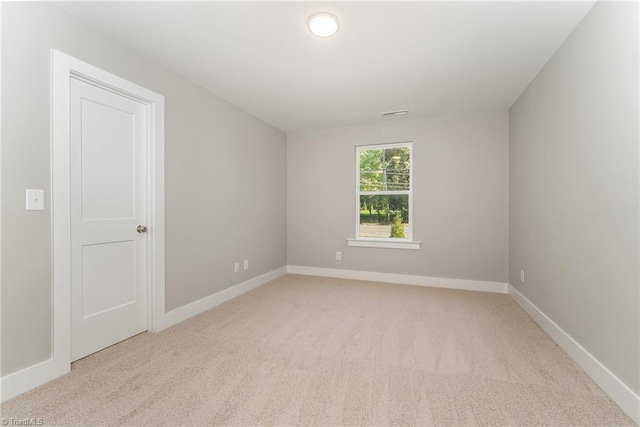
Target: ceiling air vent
395,113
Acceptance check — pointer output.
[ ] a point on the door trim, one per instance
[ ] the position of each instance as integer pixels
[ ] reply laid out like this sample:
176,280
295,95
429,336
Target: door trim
64,68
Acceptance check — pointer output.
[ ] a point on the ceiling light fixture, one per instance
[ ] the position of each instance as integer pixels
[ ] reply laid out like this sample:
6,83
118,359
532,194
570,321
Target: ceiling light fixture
323,24
395,113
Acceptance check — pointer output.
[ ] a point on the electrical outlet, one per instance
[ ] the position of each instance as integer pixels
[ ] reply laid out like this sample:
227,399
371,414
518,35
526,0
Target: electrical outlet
338,256
246,264
522,276
236,267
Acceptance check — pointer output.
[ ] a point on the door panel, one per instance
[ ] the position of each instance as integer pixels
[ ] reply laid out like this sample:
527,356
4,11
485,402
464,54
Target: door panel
108,276
108,201
108,152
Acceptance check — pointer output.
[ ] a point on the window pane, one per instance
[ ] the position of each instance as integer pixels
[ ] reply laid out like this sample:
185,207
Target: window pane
396,169
371,170
385,169
383,217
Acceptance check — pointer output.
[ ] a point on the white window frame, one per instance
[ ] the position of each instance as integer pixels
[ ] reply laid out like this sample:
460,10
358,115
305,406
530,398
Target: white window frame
392,243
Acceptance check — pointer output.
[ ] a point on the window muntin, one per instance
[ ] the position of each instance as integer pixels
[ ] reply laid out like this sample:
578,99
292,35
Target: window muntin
384,192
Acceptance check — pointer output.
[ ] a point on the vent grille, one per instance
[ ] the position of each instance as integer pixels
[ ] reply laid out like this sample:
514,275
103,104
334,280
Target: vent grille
395,113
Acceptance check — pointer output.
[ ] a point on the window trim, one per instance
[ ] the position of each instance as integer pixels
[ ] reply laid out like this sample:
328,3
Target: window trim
393,243
384,243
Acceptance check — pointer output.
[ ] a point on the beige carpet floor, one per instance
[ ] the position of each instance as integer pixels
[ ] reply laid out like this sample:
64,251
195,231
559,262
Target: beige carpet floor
316,351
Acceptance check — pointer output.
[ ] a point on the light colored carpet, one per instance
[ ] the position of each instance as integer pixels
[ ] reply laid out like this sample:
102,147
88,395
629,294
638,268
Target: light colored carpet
315,351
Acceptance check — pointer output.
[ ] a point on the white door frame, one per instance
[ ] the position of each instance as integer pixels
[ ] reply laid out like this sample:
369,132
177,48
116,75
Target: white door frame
65,67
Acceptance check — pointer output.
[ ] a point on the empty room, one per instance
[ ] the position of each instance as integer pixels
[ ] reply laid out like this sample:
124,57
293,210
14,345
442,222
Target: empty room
320,213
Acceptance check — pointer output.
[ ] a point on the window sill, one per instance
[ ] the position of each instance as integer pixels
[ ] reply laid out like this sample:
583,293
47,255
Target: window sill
384,243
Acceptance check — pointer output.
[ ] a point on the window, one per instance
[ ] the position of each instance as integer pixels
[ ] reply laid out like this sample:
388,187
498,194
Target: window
384,196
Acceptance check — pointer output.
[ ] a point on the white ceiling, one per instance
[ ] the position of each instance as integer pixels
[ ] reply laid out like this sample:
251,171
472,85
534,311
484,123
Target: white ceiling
433,58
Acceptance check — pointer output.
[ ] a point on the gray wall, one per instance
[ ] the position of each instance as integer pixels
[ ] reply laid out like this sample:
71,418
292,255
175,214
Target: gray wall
460,197
225,177
574,189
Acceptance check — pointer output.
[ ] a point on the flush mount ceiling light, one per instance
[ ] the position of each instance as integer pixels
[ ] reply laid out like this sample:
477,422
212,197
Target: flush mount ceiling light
323,24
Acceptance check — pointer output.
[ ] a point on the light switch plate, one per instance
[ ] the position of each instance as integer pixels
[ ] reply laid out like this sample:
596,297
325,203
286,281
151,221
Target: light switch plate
35,200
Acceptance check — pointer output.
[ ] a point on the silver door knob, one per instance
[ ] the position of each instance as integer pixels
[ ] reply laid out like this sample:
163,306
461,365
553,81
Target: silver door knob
141,229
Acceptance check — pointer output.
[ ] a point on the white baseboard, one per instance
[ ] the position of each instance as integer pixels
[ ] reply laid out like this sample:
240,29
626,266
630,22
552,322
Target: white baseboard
31,377
186,311
404,279
619,392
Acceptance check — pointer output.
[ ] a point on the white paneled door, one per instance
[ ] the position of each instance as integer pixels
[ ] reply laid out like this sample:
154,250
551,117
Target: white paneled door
108,167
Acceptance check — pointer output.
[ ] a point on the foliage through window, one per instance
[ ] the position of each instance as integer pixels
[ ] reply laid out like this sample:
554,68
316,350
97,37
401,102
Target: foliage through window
384,194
